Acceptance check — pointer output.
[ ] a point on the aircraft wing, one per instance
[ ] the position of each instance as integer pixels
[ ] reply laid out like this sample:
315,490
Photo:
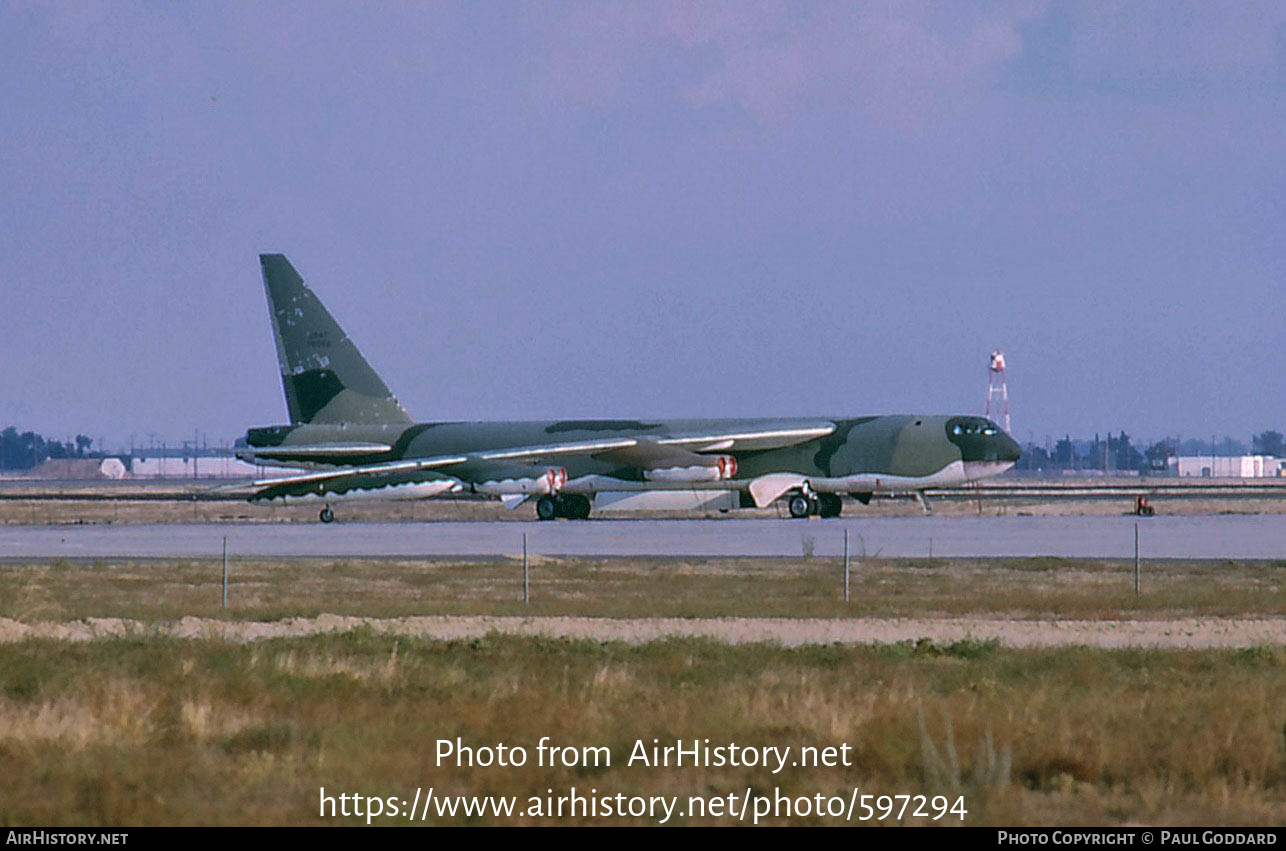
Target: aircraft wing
421,472
681,457
359,482
391,468
765,436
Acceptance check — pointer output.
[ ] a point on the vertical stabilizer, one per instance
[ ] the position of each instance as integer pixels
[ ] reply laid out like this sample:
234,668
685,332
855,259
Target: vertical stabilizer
324,376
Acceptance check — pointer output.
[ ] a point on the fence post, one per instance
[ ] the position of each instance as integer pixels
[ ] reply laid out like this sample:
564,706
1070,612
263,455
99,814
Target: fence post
845,565
225,571
526,573
1137,577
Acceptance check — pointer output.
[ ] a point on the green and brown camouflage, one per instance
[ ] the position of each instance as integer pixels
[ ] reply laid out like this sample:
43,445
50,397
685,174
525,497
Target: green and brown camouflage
324,376
349,429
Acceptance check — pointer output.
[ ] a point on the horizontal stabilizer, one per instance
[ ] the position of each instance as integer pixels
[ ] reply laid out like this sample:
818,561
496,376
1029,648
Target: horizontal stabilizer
301,452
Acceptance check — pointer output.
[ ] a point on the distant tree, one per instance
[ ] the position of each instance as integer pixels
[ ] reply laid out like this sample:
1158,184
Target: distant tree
1065,453
1125,455
9,448
1034,458
1159,455
1226,446
1230,447
1270,443
1193,446
34,450
1098,457
22,451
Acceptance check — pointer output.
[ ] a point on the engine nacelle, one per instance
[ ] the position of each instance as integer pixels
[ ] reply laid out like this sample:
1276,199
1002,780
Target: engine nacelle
719,468
414,486
555,478
552,481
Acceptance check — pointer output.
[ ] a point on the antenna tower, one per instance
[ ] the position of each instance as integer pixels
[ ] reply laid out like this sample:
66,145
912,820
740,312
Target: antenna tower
997,391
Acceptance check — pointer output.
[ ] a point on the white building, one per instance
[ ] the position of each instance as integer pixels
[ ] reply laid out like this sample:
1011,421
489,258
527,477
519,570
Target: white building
205,467
1231,466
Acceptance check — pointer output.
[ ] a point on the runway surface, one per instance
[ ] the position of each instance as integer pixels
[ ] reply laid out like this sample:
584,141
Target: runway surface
1202,537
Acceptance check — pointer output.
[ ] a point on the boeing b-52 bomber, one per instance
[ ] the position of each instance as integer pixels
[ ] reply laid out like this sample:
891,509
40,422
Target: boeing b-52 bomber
357,441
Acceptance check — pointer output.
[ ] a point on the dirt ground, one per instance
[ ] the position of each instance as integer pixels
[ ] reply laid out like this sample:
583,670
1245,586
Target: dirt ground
789,632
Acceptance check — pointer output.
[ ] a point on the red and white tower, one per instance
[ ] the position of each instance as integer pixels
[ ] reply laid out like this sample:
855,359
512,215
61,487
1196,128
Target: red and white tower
997,391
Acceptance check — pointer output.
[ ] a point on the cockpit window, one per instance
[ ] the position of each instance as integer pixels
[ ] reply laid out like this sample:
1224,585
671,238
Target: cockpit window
974,427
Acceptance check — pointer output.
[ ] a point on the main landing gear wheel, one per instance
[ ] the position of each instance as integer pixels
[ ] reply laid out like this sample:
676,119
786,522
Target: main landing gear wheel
829,505
573,506
801,506
576,506
546,508
326,515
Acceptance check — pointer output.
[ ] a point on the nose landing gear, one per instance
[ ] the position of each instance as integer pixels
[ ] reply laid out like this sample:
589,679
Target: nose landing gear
326,515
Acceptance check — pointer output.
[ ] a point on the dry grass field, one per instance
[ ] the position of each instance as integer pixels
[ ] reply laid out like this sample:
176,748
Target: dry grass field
136,732
621,587
152,727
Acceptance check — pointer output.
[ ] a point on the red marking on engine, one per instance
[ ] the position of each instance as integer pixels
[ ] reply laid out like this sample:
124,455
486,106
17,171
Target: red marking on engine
727,465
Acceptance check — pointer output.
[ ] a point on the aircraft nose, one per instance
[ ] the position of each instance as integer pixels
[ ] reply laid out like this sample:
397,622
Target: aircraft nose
982,440
1008,448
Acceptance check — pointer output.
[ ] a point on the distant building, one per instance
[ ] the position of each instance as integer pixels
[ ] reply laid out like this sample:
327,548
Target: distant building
69,469
172,465
1230,466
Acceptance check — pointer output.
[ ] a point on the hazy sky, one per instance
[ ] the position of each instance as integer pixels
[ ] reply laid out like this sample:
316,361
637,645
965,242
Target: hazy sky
649,209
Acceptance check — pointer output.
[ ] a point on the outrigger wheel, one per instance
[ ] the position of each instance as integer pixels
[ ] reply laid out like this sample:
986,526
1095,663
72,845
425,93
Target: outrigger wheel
326,515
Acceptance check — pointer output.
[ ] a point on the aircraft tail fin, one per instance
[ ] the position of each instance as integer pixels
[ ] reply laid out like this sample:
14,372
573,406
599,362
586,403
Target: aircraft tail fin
324,376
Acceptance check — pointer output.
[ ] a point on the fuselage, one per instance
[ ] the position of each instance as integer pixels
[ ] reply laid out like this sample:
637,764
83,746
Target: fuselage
859,454
358,442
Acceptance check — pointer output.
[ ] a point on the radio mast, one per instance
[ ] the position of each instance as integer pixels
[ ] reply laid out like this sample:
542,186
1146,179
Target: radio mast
997,391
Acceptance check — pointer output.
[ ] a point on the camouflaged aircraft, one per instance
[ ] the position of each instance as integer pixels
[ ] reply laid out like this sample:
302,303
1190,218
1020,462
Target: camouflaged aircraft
356,441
